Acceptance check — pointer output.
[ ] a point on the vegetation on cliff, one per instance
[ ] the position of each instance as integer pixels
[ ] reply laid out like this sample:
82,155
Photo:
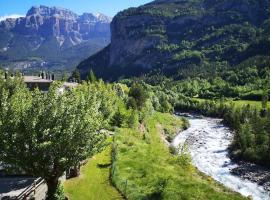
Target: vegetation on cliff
178,35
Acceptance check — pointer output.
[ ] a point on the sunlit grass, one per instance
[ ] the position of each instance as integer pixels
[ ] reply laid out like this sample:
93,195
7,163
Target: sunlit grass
256,104
240,103
94,182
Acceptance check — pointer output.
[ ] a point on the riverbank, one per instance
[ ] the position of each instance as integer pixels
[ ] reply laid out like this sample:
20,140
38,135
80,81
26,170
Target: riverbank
253,173
144,168
208,141
251,125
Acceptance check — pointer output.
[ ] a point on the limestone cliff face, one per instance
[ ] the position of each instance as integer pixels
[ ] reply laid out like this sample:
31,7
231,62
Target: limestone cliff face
57,29
59,22
172,34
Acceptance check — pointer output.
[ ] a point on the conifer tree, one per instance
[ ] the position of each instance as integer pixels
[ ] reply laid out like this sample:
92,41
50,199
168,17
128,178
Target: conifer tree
91,77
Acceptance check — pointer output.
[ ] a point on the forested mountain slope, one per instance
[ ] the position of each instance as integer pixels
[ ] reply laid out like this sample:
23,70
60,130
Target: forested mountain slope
176,36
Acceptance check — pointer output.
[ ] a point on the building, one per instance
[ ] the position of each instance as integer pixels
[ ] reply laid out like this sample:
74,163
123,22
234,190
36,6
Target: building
43,82
33,82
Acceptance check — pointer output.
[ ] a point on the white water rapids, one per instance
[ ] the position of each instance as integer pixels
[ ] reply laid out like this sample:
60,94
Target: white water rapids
208,141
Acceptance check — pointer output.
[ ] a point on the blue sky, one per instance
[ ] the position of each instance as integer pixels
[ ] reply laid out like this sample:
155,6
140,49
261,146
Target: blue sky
108,7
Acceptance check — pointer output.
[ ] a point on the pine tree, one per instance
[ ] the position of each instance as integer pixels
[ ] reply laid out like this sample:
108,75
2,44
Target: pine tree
64,76
76,76
264,103
91,77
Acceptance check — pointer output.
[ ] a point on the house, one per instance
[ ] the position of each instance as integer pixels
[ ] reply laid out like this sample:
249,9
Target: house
43,82
38,81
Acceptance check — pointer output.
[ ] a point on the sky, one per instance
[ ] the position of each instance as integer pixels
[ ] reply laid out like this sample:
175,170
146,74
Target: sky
16,8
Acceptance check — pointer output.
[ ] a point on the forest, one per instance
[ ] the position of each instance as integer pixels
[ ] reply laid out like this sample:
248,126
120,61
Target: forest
222,92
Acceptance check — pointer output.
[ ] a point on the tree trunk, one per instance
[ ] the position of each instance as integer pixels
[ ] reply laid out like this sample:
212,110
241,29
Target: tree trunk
74,171
52,184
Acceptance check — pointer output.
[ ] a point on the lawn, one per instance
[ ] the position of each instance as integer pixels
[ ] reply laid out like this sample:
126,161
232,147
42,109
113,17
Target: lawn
143,167
94,182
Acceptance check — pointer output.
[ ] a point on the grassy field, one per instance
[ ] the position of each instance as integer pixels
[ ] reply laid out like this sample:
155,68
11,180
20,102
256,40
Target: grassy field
143,167
257,104
240,103
94,182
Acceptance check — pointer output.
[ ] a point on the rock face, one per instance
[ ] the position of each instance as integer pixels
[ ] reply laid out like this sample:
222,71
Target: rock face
49,32
173,34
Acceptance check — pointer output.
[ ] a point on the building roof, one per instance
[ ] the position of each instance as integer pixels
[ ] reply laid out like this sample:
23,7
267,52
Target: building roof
36,79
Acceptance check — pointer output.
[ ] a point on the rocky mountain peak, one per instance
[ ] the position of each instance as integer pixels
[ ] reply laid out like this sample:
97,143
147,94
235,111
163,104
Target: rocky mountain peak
46,11
103,18
59,22
53,33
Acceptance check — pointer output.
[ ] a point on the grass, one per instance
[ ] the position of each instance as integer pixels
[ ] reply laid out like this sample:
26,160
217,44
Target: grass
143,167
94,181
241,103
256,104
170,126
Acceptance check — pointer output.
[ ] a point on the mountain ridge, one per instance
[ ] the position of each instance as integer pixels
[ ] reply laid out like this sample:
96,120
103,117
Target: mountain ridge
174,34
48,34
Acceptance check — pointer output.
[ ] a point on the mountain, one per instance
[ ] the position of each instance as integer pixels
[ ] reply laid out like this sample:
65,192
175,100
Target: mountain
172,35
53,38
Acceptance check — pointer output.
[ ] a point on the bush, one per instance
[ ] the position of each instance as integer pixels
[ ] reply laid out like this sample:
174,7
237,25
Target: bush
60,194
173,150
138,96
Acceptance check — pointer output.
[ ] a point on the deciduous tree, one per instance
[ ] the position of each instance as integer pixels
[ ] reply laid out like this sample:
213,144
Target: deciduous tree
44,134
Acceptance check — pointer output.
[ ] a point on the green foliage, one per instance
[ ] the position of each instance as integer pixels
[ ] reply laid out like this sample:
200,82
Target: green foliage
186,54
76,76
124,117
118,119
265,100
60,194
184,158
251,141
91,77
139,157
64,76
165,106
173,150
167,47
133,119
44,134
108,99
188,37
137,96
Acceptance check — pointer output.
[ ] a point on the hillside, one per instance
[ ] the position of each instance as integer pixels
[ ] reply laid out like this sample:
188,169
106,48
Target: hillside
51,38
174,35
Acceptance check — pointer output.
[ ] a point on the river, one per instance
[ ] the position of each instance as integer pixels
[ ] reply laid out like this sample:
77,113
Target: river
208,140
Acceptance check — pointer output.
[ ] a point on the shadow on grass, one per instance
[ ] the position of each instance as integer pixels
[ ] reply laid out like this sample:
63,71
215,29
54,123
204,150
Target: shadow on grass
106,165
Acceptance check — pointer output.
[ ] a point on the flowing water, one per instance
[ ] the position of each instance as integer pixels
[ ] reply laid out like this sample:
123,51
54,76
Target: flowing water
208,141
